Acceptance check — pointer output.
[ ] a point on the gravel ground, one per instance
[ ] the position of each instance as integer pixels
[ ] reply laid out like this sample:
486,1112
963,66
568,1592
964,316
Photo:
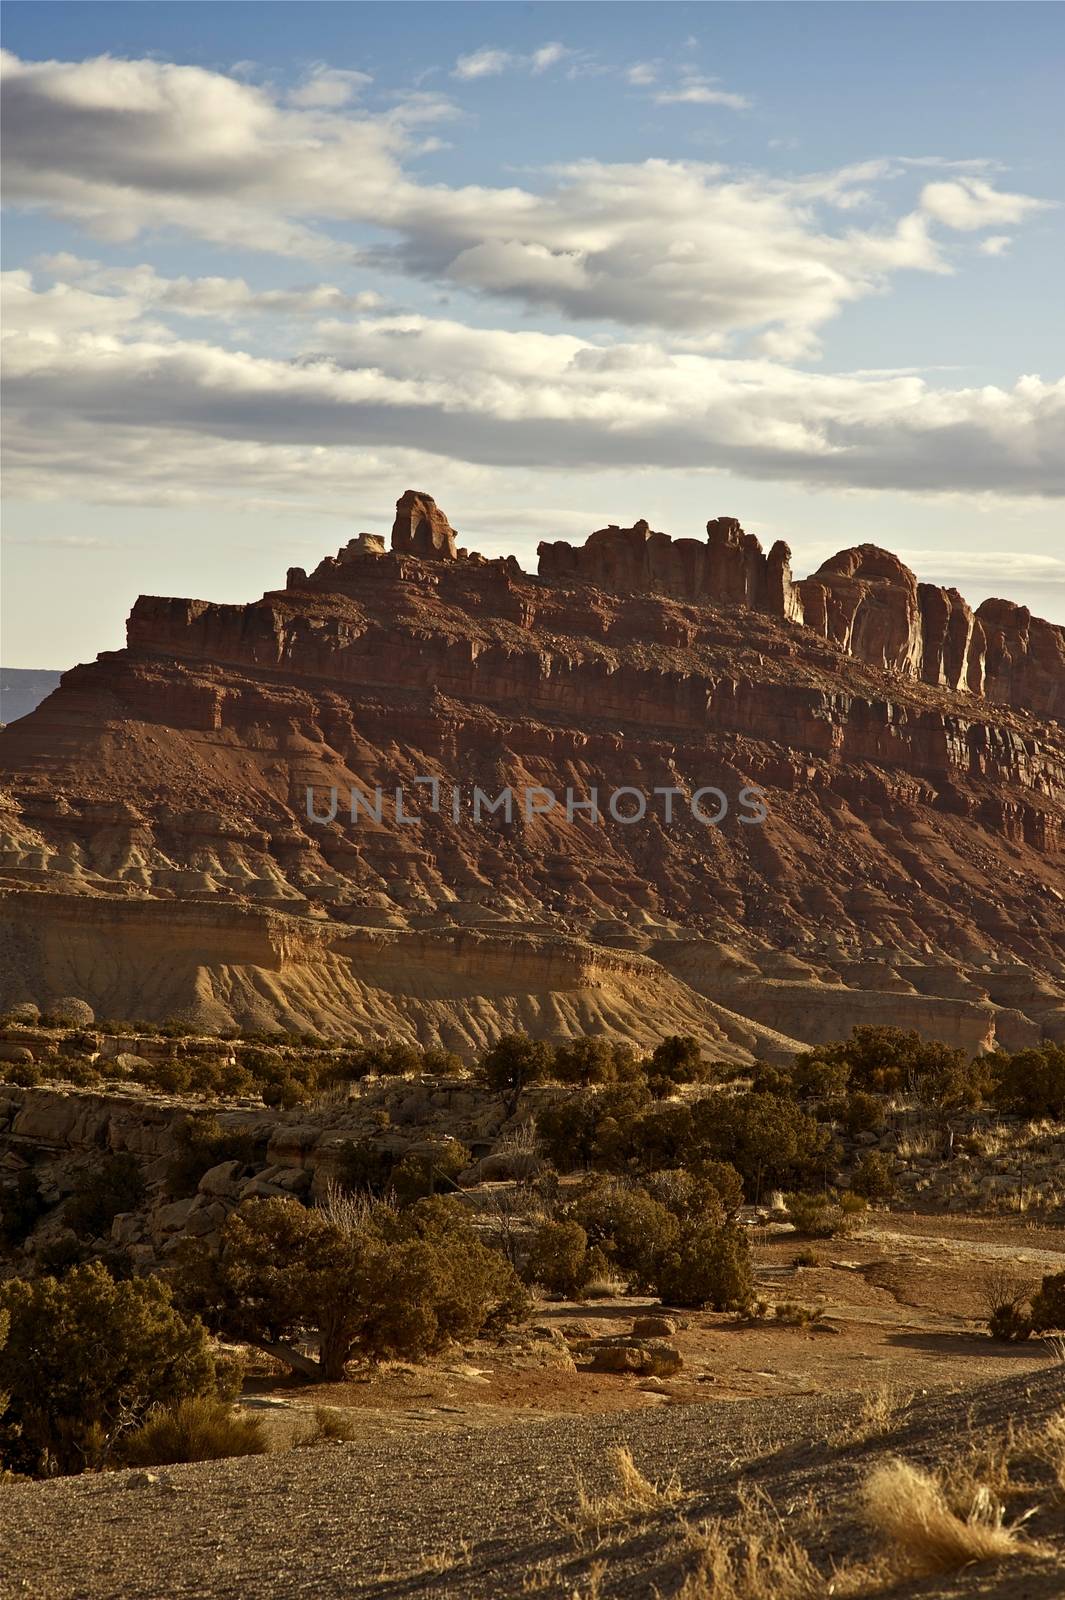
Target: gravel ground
469,1514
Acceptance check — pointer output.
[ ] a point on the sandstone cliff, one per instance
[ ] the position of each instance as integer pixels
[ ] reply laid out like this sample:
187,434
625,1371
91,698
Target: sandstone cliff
157,856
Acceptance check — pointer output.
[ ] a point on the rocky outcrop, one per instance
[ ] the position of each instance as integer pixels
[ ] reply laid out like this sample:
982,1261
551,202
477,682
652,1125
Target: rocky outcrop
155,807
865,600
421,529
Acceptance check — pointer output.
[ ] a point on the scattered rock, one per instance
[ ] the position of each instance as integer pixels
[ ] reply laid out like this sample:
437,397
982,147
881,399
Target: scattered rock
652,1327
73,1010
648,1358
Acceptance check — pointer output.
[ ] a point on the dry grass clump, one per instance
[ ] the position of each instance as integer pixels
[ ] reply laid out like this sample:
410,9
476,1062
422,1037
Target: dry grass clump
878,1410
202,1428
1049,1446
329,1425
752,1557
909,1511
633,1497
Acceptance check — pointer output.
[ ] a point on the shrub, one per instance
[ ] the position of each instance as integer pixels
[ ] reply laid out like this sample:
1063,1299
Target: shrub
198,1428
21,1207
171,1075
561,1262
709,1266
1010,1323
862,1113
710,1191
87,1357
1031,1083
815,1078
100,1193
590,1061
1048,1303
421,1172
23,1074
421,1295
816,1216
888,1059
872,1177
285,1093
630,1227
514,1061
655,1139
593,1128
202,1144
370,1283
678,1059
767,1138
363,1165
442,1063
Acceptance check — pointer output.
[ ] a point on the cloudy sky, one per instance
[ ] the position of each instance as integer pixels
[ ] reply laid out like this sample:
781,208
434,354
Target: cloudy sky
266,266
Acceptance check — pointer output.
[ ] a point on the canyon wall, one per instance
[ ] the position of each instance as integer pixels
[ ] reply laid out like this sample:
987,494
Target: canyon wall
908,751
863,599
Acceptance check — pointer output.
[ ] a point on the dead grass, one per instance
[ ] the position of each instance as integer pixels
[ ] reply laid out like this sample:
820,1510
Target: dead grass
909,1512
877,1411
329,1425
1048,1445
633,1497
753,1557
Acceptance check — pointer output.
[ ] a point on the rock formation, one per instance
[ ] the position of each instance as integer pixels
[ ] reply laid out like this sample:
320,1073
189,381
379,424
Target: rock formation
865,600
158,857
421,528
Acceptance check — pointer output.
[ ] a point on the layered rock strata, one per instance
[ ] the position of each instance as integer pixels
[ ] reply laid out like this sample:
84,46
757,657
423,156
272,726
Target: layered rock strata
158,857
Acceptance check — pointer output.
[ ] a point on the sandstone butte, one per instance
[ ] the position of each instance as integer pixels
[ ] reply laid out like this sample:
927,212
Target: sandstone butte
156,858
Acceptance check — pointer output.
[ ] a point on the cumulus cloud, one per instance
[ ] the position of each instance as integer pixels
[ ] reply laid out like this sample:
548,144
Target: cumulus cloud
328,86
549,55
685,247
483,63
491,397
489,63
968,203
996,244
126,292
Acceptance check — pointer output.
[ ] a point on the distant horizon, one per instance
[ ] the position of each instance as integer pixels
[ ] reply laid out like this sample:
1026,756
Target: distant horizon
565,265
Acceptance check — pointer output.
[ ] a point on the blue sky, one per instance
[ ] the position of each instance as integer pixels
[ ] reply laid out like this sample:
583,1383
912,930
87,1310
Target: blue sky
268,265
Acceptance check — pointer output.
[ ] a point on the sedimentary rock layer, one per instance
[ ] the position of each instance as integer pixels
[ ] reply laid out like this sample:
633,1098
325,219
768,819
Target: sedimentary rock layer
909,866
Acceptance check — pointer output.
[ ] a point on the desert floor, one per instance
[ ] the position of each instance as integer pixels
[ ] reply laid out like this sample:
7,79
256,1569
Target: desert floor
463,1477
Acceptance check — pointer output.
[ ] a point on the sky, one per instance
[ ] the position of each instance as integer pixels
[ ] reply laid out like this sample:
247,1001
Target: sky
268,265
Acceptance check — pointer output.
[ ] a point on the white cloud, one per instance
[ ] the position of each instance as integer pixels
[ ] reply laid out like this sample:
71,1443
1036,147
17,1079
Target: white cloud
495,398
642,73
489,63
549,55
983,566
126,292
687,247
483,63
969,203
996,244
328,87
696,91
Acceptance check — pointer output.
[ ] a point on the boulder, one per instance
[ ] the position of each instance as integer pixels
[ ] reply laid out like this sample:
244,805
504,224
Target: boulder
70,1008
15,1053
653,1327
647,1358
221,1180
